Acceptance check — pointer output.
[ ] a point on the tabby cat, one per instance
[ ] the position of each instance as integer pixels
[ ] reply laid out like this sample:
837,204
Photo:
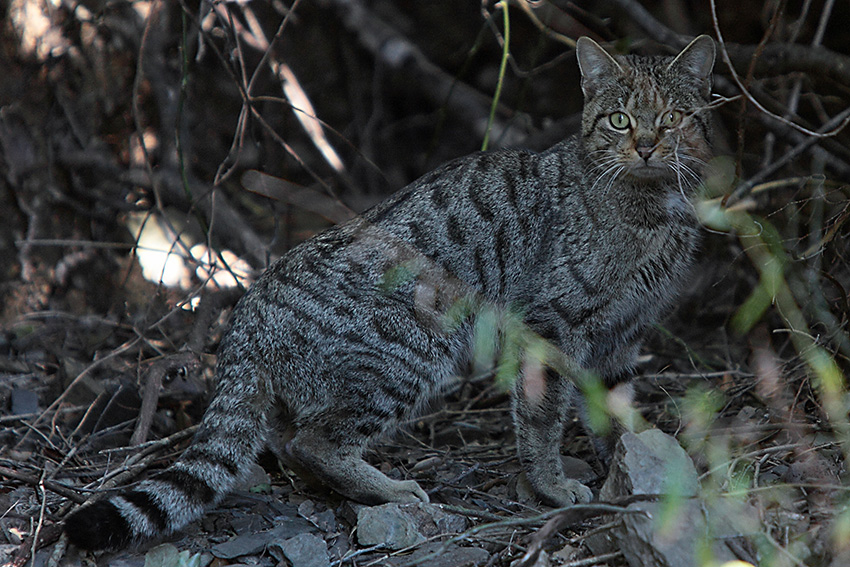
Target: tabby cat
349,333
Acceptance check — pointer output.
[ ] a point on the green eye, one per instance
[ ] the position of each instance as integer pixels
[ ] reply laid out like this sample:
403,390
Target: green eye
671,118
619,120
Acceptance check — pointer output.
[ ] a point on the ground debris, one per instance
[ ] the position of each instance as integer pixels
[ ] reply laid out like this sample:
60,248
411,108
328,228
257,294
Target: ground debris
256,543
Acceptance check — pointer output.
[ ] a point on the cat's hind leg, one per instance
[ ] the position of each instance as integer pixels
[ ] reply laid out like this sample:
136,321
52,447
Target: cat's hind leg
367,392
341,466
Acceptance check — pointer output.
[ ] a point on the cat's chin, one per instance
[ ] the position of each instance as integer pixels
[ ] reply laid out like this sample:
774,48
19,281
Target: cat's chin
648,173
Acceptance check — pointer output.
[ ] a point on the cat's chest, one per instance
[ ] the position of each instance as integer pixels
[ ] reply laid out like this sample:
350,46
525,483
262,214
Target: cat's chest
602,274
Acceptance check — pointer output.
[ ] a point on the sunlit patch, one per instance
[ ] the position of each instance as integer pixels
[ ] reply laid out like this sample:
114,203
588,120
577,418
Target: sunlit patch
39,37
223,270
169,255
160,250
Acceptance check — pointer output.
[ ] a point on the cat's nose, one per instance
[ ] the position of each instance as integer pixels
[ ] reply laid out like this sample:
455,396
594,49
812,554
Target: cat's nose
645,150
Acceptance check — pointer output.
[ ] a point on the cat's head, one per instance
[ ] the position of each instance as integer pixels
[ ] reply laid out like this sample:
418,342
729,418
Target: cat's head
646,117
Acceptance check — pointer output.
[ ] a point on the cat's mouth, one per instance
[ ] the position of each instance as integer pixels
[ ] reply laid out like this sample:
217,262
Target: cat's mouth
647,171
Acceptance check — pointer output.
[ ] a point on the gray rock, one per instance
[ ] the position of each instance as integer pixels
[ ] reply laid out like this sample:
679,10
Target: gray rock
24,401
167,555
252,544
670,532
397,526
387,525
650,462
303,550
432,520
672,535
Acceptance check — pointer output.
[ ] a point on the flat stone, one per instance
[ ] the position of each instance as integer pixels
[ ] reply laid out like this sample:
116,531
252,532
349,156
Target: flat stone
398,526
254,543
24,401
167,555
303,550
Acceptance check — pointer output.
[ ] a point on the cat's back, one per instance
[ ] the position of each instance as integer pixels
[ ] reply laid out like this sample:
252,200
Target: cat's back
476,224
482,218
485,218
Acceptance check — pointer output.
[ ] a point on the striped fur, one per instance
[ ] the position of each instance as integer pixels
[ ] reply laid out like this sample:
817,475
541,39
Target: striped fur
351,332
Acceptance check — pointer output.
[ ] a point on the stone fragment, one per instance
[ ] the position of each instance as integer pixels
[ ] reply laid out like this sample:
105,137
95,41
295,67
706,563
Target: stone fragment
650,462
387,525
397,526
24,401
303,550
672,531
255,543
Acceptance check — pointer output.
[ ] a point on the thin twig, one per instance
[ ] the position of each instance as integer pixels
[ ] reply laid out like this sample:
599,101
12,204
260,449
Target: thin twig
838,121
825,133
643,18
572,516
506,42
41,510
399,54
742,108
152,384
527,7
59,400
58,488
578,510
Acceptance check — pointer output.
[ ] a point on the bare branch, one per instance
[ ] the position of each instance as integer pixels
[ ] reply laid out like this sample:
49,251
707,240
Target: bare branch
650,25
397,53
724,52
839,120
783,58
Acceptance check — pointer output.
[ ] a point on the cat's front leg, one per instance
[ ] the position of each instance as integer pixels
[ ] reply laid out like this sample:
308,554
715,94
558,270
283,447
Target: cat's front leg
542,406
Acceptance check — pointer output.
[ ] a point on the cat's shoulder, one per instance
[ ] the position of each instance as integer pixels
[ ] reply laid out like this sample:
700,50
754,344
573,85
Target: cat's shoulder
495,168
472,166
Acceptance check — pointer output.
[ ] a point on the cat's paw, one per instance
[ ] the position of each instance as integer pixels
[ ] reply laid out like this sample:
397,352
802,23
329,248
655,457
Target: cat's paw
406,492
566,493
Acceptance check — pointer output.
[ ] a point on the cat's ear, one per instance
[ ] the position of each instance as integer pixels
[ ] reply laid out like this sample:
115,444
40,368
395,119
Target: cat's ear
697,61
596,66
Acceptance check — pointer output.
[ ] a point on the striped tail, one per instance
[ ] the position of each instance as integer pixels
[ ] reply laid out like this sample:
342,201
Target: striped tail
227,442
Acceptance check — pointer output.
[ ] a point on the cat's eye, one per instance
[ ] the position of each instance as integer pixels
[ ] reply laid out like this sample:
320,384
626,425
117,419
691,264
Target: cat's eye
619,120
671,118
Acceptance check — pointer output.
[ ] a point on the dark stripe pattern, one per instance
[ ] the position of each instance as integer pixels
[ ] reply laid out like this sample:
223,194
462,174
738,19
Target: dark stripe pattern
356,329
